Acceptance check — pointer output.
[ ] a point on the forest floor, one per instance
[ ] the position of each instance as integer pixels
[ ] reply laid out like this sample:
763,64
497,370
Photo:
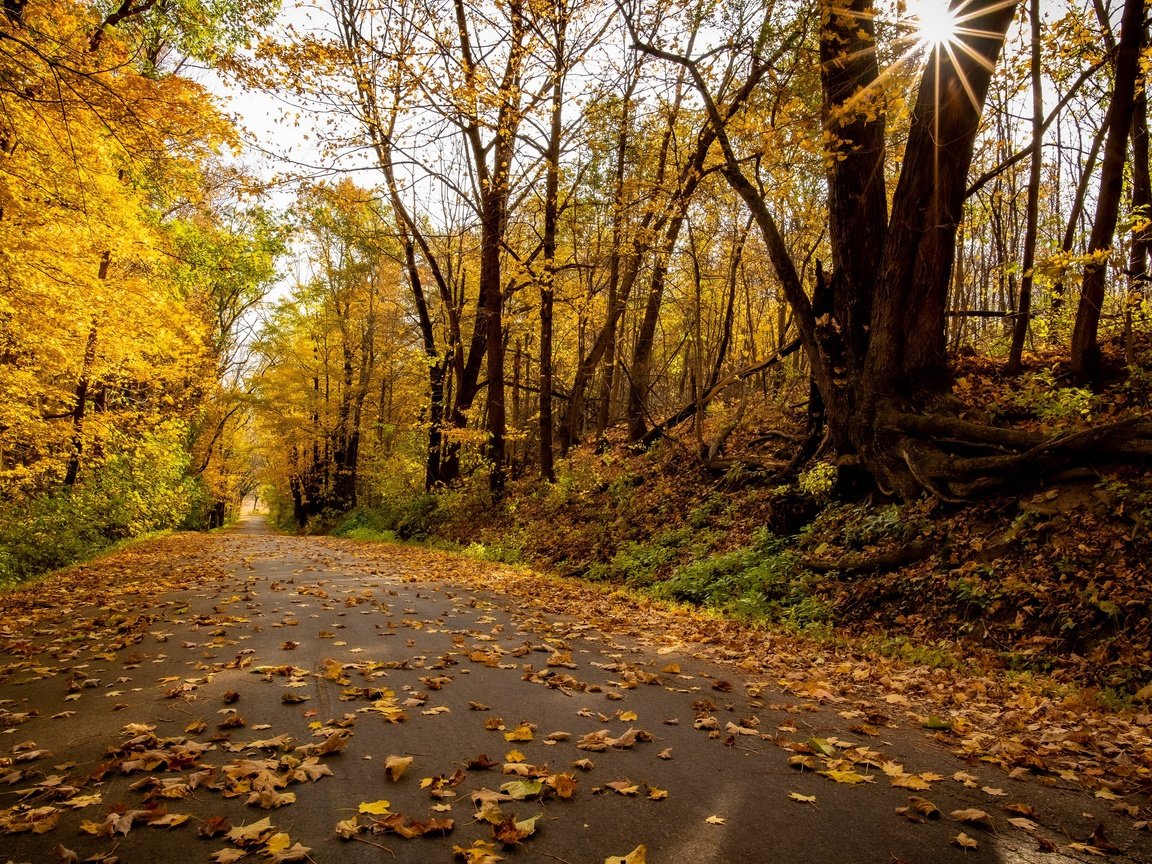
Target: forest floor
249,696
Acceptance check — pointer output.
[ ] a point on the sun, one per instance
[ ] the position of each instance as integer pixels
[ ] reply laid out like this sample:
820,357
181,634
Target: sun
936,24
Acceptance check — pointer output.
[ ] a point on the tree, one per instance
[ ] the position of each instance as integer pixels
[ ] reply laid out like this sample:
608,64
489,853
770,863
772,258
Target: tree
323,350
1085,348
880,362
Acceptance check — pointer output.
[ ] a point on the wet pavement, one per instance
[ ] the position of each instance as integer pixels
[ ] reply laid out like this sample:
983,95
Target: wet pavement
278,682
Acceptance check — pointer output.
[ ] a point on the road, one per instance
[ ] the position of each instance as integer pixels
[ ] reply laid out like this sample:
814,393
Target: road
200,684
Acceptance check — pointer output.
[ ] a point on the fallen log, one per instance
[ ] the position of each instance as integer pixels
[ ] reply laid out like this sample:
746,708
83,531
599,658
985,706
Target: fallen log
663,427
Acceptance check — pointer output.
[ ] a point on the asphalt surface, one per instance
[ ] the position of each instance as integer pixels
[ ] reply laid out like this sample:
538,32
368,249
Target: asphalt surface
307,644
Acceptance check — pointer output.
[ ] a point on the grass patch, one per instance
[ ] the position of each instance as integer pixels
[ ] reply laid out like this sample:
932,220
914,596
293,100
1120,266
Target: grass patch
762,582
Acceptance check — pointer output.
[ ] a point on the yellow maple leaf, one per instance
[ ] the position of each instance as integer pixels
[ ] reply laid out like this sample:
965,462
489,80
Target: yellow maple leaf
375,808
523,732
279,842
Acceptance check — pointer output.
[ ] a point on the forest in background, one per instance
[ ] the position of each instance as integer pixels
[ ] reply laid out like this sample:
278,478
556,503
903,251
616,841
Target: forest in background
521,257
686,219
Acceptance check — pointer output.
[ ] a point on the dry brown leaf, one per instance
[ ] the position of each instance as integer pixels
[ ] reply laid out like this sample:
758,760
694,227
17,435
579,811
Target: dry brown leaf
639,855
964,841
395,766
973,816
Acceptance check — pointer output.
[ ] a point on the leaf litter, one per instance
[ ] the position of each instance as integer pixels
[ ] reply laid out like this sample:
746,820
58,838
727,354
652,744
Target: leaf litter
982,719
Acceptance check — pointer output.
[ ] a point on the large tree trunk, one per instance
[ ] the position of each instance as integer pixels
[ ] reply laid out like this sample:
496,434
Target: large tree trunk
906,362
908,350
854,118
1085,348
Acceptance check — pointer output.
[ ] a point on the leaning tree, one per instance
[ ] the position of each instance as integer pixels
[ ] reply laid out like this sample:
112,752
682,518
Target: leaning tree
874,329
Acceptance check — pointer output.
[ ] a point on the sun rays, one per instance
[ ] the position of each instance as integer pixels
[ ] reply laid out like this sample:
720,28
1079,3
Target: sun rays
935,24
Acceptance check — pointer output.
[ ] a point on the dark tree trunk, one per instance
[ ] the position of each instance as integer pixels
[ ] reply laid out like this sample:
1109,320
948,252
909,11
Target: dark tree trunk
79,408
83,382
1142,207
1085,347
857,205
908,350
551,214
1024,307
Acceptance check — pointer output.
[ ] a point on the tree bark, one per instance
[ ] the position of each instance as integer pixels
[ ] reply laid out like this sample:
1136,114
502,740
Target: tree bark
1085,347
853,118
1142,210
1024,306
83,382
551,213
908,350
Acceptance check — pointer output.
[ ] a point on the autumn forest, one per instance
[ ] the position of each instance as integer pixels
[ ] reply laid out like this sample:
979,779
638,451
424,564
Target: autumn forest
730,413
379,265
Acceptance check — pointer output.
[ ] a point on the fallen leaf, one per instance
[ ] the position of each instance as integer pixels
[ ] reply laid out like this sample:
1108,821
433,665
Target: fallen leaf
1087,849
374,808
850,778
804,799
624,787
395,766
639,855
523,789
964,841
523,732
716,820
214,826
972,816
480,852
509,832
250,835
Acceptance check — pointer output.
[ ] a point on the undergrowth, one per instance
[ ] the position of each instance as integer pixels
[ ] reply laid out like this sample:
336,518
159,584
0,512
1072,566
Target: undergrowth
1053,583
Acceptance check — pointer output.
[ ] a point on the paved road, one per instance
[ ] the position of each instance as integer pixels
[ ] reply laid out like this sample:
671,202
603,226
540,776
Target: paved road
266,668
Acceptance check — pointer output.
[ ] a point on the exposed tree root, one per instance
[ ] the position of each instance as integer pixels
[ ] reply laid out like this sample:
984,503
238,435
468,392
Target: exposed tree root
938,453
855,562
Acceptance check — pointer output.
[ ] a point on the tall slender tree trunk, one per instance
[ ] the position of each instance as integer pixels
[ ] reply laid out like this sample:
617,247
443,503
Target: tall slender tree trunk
1142,207
1085,346
79,408
622,269
551,217
1024,307
83,382
1078,200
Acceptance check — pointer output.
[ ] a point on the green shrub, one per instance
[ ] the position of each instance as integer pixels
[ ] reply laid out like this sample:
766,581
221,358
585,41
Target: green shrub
138,487
406,518
1039,394
761,581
